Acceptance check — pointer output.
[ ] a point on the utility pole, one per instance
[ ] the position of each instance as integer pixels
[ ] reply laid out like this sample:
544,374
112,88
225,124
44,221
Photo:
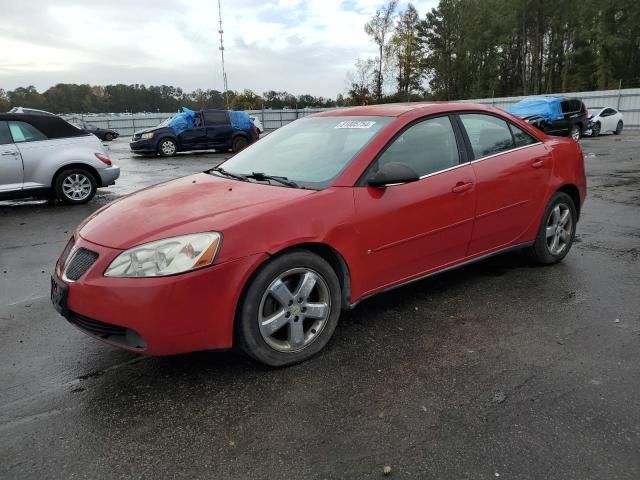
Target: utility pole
225,86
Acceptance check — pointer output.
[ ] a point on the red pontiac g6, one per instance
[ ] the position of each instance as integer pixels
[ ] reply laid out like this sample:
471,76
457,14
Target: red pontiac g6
266,250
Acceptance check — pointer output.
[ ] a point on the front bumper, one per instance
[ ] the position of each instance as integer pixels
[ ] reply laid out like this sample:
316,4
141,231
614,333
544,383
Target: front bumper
109,175
157,316
144,145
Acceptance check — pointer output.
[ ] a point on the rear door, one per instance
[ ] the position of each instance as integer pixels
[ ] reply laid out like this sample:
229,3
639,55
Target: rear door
411,229
512,169
11,171
219,129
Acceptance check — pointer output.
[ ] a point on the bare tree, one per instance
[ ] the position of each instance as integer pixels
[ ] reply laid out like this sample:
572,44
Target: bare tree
360,81
378,28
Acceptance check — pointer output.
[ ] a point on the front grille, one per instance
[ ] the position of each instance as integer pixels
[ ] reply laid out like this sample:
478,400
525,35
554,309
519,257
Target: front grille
80,263
101,329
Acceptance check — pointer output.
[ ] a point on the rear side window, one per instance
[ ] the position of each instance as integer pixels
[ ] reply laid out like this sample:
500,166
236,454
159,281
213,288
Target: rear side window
216,118
427,147
24,132
488,134
5,135
520,137
571,106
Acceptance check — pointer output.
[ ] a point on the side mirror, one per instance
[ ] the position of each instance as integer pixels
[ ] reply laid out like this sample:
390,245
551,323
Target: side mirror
393,173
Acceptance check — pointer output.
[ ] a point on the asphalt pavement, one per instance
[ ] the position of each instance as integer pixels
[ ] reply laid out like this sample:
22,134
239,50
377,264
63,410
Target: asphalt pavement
496,370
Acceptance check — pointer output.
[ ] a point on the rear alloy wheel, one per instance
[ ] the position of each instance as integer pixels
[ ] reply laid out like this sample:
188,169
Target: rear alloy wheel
595,130
557,231
239,144
167,147
575,133
619,127
75,186
108,137
290,309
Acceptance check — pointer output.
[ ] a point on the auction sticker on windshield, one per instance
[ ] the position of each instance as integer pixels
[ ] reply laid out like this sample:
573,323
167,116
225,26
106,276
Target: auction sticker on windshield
355,124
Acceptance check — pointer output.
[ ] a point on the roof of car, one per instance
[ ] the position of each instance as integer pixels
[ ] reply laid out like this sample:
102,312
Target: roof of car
51,126
399,109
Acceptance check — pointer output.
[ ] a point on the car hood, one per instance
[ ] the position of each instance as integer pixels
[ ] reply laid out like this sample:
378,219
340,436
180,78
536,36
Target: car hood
148,130
192,204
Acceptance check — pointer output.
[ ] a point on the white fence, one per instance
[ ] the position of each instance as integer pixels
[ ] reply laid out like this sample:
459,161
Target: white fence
627,101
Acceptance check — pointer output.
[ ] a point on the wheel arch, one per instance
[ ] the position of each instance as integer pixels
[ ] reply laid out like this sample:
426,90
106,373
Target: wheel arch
572,190
70,166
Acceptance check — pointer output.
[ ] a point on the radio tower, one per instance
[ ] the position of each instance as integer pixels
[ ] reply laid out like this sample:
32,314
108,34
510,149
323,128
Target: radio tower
225,86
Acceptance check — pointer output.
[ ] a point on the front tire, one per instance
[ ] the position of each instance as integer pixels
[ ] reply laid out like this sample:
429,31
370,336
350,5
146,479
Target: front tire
75,186
290,309
595,130
619,127
167,147
108,137
557,231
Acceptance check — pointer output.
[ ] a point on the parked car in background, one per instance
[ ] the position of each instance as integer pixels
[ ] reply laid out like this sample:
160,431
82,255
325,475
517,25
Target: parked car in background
265,251
30,111
256,121
604,120
553,115
105,134
44,156
213,129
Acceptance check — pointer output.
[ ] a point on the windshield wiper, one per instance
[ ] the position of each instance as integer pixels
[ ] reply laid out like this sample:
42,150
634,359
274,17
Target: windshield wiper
227,174
263,176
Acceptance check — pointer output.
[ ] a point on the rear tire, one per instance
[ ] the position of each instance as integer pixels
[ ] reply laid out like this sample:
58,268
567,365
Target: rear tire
619,127
274,321
75,186
575,132
557,231
239,144
167,147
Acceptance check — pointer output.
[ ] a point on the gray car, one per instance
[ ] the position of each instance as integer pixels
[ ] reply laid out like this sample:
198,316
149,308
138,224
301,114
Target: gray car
44,156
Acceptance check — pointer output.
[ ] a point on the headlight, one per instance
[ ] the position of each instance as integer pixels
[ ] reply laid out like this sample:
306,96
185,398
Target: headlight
167,257
147,135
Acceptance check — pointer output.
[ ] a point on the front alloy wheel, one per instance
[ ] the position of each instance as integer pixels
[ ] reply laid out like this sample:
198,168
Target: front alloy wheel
289,310
575,133
167,147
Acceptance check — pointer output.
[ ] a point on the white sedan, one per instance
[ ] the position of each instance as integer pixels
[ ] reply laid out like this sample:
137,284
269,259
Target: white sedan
603,120
258,124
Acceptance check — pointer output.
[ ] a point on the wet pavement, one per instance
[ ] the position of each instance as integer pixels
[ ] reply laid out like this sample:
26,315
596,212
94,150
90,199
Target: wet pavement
499,369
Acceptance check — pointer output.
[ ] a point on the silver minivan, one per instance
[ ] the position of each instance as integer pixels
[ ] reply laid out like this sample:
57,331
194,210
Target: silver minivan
44,156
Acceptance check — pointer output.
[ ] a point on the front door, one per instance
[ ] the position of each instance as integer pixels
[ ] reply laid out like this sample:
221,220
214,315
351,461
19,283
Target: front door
11,172
410,229
512,169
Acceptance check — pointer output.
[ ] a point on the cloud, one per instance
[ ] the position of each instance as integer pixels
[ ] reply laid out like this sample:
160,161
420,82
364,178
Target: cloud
303,46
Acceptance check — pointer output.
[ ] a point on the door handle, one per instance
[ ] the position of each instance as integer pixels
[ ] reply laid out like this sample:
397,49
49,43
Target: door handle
462,187
538,164
4,154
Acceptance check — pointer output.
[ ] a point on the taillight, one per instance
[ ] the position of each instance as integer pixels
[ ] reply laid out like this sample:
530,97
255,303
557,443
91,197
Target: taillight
103,158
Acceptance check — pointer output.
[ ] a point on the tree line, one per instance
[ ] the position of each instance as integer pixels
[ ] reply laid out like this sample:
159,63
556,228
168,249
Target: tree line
72,98
465,49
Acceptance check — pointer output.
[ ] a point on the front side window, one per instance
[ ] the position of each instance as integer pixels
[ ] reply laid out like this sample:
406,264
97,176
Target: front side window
520,137
426,147
25,132
488,134
310,151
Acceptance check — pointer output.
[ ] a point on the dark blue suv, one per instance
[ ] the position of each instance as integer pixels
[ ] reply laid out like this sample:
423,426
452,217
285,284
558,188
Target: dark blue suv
211,129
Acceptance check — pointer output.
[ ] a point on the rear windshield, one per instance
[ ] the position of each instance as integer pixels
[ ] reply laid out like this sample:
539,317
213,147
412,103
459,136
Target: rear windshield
310,151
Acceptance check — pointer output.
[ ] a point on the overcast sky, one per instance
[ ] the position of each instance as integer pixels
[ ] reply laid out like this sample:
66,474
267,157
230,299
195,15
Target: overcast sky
302,46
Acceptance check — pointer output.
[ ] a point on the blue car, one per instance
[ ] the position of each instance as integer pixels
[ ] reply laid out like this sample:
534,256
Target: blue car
204,130
553,115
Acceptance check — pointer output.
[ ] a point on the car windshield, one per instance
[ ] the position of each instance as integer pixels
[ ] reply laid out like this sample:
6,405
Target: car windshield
310,151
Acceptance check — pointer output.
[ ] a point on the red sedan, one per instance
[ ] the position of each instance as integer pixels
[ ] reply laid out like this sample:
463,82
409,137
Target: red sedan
265,251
